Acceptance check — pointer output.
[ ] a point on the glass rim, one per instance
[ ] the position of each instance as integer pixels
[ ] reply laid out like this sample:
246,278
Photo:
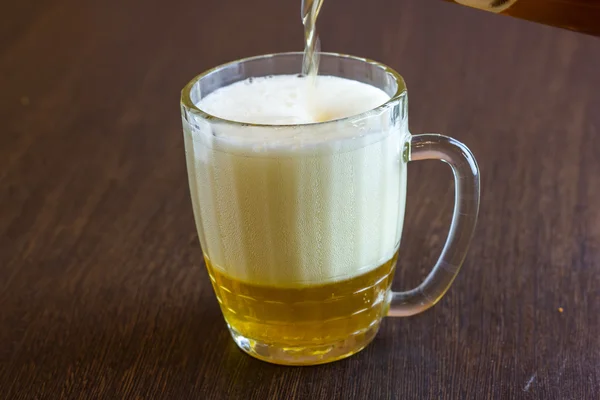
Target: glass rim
187,102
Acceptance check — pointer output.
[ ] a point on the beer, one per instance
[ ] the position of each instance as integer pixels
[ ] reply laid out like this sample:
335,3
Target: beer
576,15
306,318
309,13
300,229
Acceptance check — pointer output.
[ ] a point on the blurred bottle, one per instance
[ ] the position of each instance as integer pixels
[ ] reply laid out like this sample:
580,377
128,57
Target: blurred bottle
576,15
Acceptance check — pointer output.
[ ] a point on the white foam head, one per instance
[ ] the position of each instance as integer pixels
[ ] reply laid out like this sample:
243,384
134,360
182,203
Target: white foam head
294,106
290,99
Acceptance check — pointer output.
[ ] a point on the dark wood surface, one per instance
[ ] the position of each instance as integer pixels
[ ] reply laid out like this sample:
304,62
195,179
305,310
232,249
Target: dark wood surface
103,291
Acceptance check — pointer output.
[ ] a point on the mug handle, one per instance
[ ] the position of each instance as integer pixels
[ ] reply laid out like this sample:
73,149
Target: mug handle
466,207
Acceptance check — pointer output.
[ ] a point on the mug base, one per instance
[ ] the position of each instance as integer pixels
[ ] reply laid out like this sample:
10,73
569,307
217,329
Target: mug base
305,355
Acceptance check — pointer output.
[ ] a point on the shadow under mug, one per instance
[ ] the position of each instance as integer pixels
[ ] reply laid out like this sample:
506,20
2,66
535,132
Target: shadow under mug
300,225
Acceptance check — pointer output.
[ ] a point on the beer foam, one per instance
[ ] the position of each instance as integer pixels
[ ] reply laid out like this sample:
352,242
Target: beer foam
324,204
291,99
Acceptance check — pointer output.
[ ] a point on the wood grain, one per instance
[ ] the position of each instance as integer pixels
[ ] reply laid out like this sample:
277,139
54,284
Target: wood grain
103,292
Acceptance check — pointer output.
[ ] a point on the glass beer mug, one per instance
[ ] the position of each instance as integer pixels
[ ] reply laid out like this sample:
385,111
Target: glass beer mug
300,225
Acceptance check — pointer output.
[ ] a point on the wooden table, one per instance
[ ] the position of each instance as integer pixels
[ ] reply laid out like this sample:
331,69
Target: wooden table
103,292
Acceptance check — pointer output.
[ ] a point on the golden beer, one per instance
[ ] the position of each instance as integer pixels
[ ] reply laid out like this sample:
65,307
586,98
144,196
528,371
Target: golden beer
316,317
